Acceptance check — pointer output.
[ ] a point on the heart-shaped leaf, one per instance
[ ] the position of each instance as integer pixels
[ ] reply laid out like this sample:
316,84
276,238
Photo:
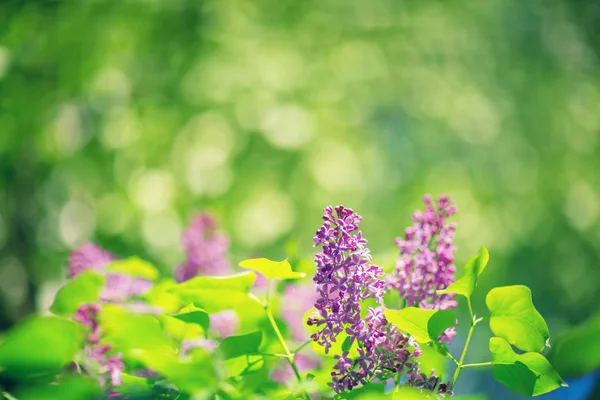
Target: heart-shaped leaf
439,322
272,269
194,315
215,293
134,266
131,333
514,318
68,387
84,288
189,374
235,346
243,365
577,352
465,285
529,374
424,325
39,345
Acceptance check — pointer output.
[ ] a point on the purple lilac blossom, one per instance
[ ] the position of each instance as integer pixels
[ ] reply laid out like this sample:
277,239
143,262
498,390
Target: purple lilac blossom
118,287
224,323
384,351
121,287
345,278
89,256
206,250
426,261
297,300
109,365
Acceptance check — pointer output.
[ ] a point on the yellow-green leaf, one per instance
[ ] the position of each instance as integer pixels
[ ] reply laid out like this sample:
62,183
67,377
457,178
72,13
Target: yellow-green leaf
424,325
215,293
134,266
465,285
529,374
272,269
39,345
577,352
514,318
84,288
194,315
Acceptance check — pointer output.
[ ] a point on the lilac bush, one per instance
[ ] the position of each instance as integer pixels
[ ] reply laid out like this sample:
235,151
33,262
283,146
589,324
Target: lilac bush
345,278
208,331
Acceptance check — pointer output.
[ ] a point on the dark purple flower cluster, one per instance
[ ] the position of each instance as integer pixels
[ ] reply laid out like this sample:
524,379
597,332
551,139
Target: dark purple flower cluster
433,384
108,365
206,250
383,353
426,261
345,278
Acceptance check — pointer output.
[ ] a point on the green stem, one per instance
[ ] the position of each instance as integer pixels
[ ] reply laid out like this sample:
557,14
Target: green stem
303,345
460,364
483,364
288,353
269,355
453,359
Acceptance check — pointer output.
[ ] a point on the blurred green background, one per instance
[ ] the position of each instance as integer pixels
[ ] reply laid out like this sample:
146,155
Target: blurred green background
119,119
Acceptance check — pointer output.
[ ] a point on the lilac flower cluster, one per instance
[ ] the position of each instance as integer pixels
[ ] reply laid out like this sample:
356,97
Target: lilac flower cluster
426,261
111,365
117,288
345,278
206,250
383,352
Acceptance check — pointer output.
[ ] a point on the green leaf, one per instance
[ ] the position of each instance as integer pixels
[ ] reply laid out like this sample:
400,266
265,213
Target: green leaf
215,294
439,322
190,374
84,288
134,266
422,324
131,333
235,346
465,285
514,318
194,315
347,344
243,365
135,387
160,296
38,346
577,352
66,388
272,269
529,374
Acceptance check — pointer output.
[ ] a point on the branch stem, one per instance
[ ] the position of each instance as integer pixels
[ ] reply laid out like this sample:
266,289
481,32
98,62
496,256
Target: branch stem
483,364
461,364
288,354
